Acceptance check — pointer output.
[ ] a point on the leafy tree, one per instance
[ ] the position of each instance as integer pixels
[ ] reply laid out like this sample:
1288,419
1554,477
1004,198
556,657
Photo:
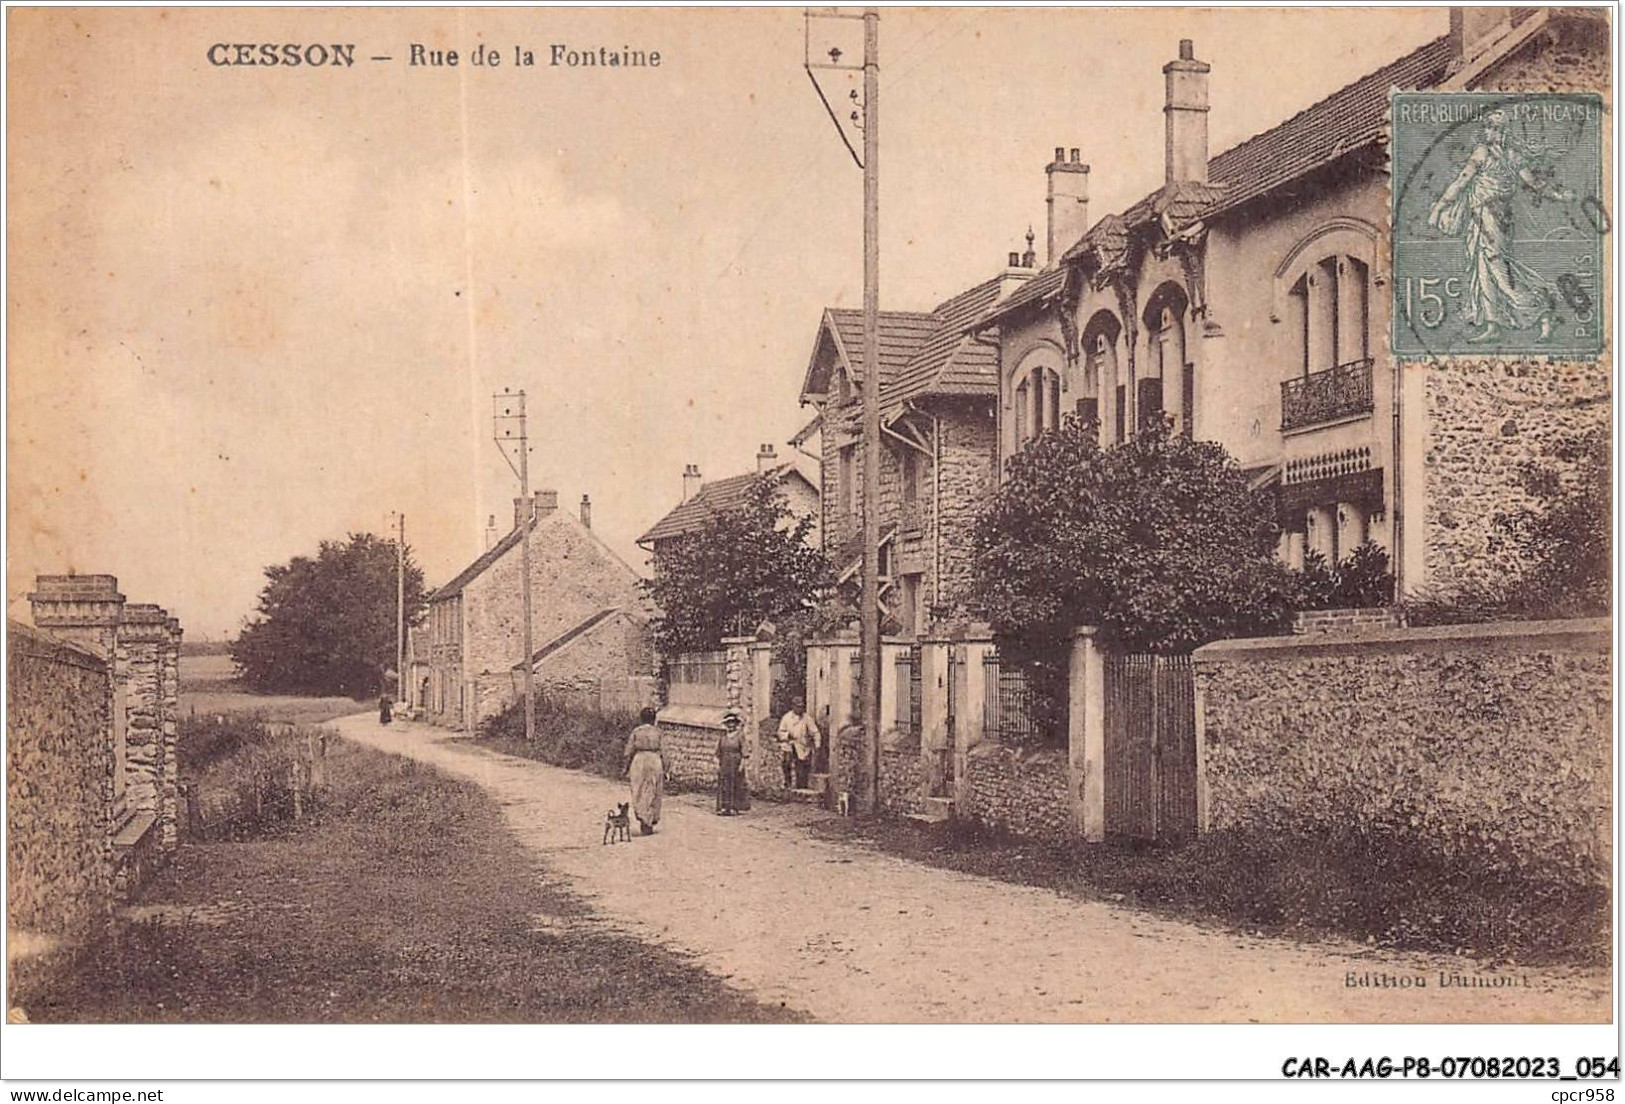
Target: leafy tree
1563,536
1157,541
747,564
1361,581
327,625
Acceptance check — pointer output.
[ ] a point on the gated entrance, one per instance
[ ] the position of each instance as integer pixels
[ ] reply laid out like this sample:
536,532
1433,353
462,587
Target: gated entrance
1150,747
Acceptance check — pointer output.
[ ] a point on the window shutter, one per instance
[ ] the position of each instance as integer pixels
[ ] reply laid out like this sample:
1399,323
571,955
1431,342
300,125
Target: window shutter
1150,398
1089,410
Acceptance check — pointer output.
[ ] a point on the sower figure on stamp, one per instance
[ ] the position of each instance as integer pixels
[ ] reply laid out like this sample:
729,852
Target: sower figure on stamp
1502,292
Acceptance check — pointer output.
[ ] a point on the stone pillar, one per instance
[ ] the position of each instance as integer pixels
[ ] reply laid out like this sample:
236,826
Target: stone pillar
888,685
143,642
169,801
1086,736
933,709
972,717
86,610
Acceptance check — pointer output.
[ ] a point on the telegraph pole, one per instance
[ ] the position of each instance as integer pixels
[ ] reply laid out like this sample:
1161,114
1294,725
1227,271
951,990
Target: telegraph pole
869,620
508,422
869,642
400,608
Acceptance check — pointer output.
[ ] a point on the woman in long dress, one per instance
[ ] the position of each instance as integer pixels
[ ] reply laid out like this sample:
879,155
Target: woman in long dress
646,768
730,766
1502,292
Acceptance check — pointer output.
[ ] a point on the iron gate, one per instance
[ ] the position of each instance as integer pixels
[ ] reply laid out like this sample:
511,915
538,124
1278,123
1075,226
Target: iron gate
1150,747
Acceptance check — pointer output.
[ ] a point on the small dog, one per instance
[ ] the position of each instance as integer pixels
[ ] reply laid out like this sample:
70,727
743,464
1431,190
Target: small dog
618,823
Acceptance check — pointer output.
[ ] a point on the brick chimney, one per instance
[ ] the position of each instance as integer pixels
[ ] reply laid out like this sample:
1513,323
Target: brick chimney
691,481
544,503
1068,202
1474,30
491,531
84,609
586,512
766,457
1185,116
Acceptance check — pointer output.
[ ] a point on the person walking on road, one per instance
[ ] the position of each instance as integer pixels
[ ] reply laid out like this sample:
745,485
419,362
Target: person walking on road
646,770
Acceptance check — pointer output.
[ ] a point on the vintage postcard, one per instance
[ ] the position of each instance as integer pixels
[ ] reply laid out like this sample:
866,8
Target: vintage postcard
850,516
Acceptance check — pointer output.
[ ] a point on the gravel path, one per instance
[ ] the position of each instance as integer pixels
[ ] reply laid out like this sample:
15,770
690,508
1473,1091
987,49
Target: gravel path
849,935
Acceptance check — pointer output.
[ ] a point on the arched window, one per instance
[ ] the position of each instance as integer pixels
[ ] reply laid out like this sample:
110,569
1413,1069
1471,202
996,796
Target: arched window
1034,398
1104,390
1327,302
1168,385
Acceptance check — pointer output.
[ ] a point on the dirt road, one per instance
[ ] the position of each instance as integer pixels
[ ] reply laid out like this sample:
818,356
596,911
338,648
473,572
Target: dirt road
848,935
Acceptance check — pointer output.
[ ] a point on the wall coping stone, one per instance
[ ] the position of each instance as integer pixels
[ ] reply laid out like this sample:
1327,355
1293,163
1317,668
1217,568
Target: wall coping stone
38,644
130,832
1580,634
693,716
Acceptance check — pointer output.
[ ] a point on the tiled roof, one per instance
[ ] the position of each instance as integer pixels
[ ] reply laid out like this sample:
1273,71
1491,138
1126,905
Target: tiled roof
714,497
473,570
1046,284
1349,119
497,550
902,334
950,363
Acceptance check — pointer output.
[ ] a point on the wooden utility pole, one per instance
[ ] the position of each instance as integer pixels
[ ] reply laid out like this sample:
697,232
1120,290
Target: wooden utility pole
400,608
868,792
869,642
508,419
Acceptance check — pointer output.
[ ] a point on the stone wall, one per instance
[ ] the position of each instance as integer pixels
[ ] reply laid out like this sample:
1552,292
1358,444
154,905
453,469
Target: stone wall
969,478
1023,792
574,575
690,752
1487,743
141,645
1485,421
902,779
616,649
59,786
1572,56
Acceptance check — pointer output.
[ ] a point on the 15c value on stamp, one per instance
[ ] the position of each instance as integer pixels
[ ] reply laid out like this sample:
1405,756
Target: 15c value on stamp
1498,224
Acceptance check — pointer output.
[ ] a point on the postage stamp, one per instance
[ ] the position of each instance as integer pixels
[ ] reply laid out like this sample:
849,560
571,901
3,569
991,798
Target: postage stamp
1498,224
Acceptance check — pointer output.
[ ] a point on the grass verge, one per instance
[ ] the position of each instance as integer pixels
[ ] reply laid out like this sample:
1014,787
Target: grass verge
407,901
587,741
1304,888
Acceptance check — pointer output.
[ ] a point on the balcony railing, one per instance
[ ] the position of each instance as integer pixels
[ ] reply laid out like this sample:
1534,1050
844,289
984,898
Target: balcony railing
1328,396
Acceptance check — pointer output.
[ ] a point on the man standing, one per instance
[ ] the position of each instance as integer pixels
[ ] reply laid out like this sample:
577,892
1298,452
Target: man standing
798,736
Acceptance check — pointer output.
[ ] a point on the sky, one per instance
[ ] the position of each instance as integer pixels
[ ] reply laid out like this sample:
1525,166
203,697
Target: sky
250,309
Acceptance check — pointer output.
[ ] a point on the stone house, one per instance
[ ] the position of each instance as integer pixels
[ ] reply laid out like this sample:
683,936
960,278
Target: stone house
92,785
703,499
589,626
939,389
1249,299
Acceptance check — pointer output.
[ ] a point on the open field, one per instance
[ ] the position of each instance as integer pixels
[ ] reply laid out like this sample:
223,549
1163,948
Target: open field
407,900
208,685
